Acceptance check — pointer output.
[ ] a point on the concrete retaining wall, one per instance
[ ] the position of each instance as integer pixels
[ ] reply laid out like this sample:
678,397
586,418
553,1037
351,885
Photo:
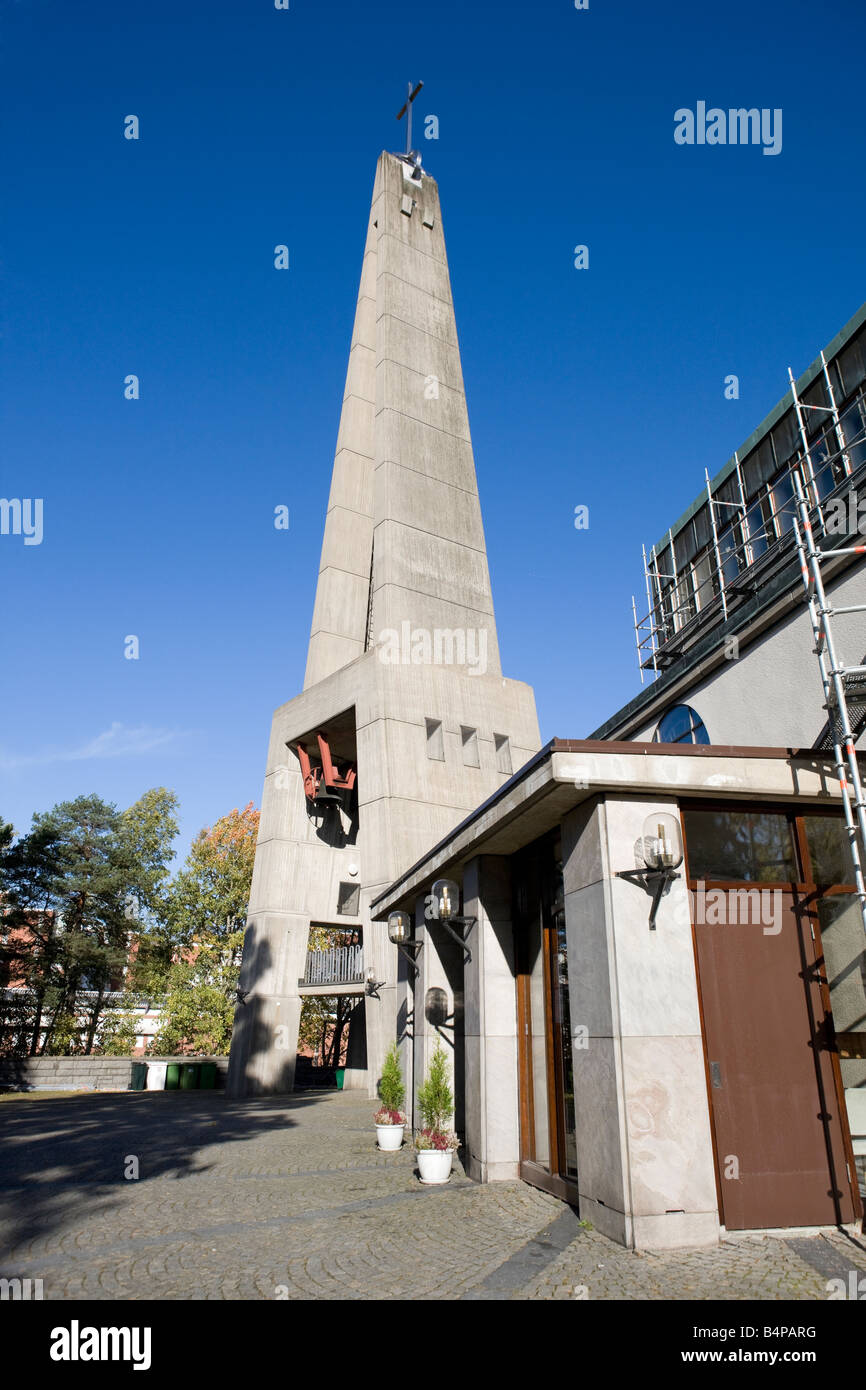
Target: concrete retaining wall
84,1073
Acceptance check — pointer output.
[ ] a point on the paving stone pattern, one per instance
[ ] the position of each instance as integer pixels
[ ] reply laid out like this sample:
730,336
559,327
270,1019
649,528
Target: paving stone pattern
289,1198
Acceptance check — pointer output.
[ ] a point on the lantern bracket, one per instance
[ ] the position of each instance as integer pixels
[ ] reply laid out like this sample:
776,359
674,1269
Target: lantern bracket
655,881
467,923
404,950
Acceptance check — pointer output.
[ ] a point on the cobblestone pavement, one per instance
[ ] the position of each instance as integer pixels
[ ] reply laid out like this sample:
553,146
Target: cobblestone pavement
289,1198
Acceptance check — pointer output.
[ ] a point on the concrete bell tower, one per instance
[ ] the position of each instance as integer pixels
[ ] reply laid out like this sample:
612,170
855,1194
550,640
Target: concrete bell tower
404,705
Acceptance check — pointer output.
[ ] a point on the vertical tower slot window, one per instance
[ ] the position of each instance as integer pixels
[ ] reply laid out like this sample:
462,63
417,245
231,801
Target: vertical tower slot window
469,740
502,748
435,740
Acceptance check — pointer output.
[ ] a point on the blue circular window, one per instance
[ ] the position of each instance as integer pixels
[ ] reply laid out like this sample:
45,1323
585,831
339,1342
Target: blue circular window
681,725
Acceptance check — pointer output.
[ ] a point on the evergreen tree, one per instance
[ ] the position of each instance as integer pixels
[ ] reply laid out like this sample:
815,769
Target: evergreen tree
435,1098
29,872
90,886
391,1089
74,890
149,828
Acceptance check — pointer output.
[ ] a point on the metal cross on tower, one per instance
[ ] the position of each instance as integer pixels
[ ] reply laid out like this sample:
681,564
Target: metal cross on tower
406,110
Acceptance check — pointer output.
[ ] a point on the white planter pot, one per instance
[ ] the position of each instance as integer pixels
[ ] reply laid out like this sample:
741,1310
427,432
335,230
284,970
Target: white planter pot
389,1137
435,1164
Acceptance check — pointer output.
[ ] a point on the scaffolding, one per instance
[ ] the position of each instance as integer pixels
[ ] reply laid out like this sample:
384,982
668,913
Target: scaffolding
841,683
743,539
745,531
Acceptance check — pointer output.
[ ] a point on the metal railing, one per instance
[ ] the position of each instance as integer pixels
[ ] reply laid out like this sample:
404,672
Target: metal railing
113,998
341,965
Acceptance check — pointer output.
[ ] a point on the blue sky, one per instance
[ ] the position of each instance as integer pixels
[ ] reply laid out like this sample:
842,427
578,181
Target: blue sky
602,387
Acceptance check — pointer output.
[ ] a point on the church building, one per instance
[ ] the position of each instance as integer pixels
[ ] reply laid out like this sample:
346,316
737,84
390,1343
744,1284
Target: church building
643,951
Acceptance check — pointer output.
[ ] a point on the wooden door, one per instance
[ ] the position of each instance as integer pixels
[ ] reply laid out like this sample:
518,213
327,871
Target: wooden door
548,1151
779,1138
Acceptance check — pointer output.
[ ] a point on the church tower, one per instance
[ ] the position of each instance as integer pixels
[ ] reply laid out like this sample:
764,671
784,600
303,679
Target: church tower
405,723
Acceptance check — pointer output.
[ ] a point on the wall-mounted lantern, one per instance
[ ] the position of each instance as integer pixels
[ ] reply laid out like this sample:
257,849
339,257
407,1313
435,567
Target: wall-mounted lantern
446,899
446,911
662,850
436,1009
400,934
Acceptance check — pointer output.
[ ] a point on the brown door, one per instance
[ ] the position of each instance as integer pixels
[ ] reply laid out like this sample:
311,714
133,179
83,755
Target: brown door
780,1148
548,1146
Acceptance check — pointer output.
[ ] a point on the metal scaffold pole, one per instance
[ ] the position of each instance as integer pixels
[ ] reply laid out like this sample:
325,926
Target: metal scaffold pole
720,573
835,678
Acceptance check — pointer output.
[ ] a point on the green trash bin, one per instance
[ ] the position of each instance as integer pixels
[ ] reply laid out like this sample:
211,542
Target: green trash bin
172,1076
207,1076
139,1076
341,1076
189,1076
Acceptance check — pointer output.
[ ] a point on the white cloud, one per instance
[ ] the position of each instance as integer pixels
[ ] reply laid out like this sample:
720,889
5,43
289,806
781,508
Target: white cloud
118,741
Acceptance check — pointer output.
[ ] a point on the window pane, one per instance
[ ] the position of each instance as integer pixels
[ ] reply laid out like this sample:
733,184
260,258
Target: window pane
681,724
730,551
705,589
783,503
684,602
842,939
669,601
853,430
851,367
829,850
757,535
785,437
743,846
703,530
758,466
827,464
676,726
685,545
699,732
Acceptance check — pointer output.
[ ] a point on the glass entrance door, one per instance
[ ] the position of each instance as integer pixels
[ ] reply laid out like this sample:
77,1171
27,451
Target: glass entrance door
547,1122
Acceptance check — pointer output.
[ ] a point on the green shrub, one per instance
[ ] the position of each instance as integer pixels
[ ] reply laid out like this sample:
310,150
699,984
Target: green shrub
435,1099
391,1088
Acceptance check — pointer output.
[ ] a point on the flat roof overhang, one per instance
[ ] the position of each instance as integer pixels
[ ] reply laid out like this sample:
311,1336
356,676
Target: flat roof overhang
568,771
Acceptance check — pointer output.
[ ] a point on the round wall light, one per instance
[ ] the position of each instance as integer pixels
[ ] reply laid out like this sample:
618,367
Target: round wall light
446,899
399,928
662,841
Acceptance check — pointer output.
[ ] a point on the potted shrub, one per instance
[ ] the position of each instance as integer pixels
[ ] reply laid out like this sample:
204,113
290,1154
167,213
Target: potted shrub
390,1120
435,1142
